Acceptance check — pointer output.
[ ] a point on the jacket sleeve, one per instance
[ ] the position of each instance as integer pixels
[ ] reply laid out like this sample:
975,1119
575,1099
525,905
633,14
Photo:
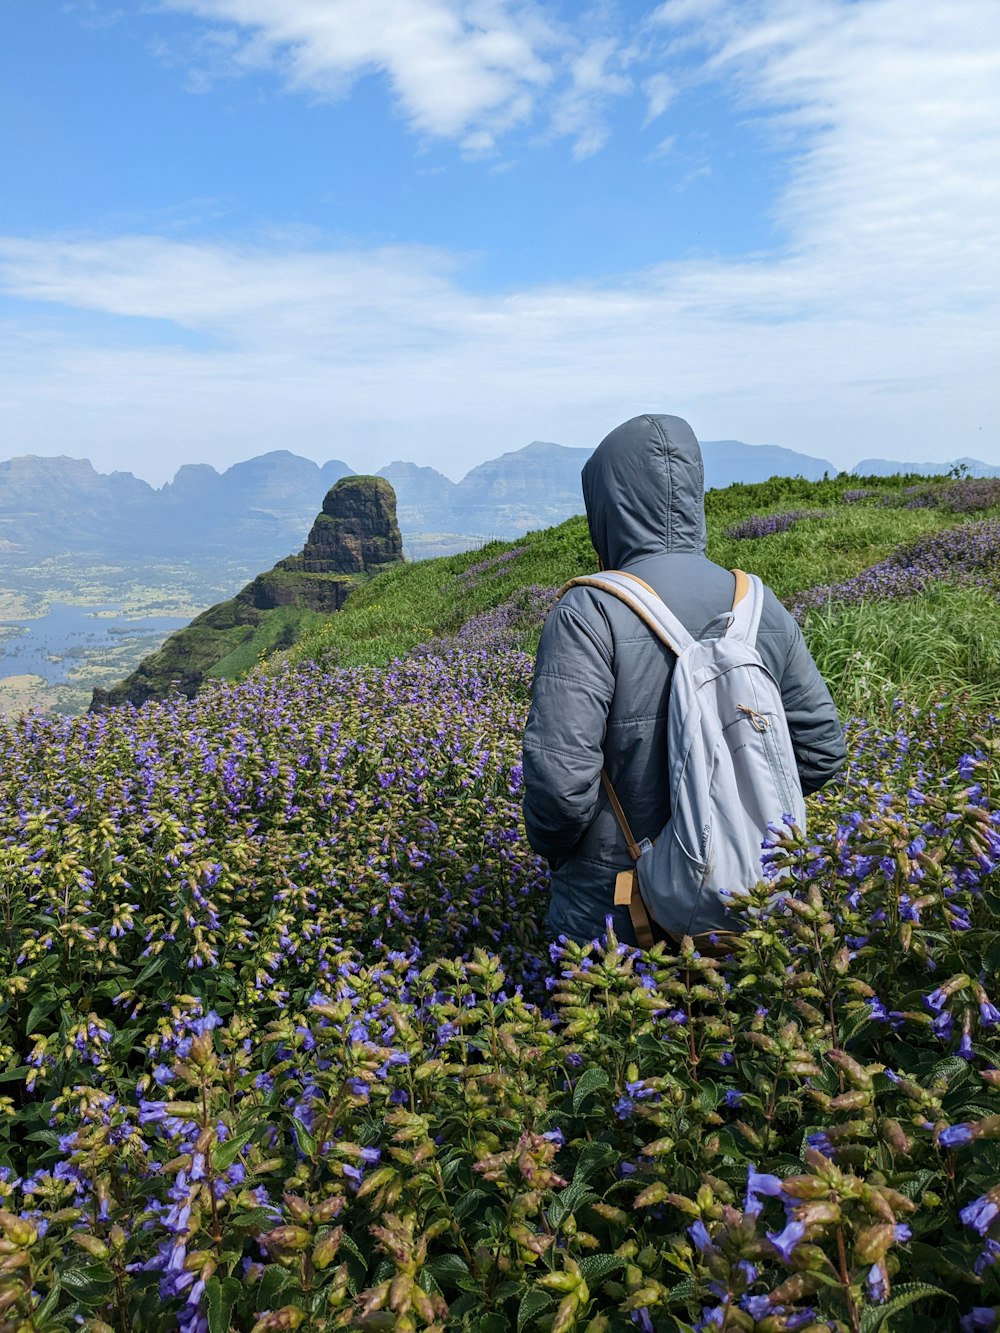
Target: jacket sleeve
816,730
563,755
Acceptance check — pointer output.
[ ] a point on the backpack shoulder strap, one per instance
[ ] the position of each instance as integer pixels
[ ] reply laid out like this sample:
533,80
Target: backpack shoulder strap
643,600
747,606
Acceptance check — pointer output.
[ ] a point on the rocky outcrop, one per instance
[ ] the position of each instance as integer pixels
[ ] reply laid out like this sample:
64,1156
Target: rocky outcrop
357,530
354,537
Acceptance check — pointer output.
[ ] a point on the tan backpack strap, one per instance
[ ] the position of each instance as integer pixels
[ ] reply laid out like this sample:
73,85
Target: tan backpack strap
616,806
627,884
627,895
675,639
742,585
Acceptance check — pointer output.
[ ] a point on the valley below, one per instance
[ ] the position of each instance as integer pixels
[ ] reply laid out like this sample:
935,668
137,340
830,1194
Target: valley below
74,622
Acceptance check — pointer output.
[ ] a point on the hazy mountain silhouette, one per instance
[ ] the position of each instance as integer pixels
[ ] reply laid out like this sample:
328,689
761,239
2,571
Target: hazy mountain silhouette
260,510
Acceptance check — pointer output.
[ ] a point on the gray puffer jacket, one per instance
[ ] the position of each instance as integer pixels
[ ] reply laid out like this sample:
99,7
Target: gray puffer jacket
602,679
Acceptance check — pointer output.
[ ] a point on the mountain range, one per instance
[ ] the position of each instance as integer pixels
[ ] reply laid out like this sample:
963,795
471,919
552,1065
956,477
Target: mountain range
259,510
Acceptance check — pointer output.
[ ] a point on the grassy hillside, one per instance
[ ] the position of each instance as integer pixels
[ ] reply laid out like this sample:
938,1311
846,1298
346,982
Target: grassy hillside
944,638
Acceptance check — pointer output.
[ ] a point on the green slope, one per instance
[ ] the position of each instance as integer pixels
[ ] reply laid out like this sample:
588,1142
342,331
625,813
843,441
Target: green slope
429,599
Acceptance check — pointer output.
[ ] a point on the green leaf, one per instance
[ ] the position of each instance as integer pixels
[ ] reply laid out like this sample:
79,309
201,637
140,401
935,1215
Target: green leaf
42,1007
48,1136
592,1157
874,1316
469,1200
155,965
347,1244
464,1304
220,1297
597,1266
273,1285
449,1268
574,1196
533,1302
489,1323
47,1307
226,1153
305,1140
709,1095
591,1080
952,1067
90,1286
914,1186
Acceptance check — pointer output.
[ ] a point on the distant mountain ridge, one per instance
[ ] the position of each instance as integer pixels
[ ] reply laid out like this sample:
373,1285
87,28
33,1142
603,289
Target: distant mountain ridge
259,510
885,467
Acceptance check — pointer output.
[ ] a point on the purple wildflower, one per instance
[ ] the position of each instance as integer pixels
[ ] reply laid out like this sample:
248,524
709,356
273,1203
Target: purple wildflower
981,1213
785,1241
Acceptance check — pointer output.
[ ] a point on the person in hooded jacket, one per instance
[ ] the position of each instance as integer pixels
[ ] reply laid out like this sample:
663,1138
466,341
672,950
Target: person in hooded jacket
602,679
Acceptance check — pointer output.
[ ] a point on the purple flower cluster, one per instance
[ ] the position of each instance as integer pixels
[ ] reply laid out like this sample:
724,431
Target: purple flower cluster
510,626
971,495
496,564
283,1026
764,525
968,554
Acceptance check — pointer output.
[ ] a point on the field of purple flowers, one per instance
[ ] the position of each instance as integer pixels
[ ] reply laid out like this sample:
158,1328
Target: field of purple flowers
283,1045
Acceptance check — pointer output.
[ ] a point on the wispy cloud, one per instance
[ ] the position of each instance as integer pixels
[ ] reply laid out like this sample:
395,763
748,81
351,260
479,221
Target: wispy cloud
892,112
459,69
873,329
465,70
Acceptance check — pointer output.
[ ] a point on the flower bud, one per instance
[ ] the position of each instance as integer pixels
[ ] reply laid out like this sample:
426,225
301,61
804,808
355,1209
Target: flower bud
289,1316
202,1049
853,1100
559,1281
297,1207
400,1293
92,1244
873,1242
329,1208
895,1136
818,1213
325,1249
285,1238
18,1229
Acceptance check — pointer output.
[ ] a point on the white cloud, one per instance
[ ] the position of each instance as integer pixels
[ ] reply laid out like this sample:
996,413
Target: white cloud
660,90
456,67
372,355
891,111
873,330
466,70
596,76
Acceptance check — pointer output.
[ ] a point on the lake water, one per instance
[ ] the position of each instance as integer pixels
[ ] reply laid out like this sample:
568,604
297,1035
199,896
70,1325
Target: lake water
55,643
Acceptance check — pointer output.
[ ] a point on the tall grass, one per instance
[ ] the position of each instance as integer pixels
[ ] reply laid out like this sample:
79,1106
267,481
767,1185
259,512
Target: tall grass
943,643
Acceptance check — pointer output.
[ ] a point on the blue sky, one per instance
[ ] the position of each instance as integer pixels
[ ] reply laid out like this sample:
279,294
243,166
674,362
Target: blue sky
438,229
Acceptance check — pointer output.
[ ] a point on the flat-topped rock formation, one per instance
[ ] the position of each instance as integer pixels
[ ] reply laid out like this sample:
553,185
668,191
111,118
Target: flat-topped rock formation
354,537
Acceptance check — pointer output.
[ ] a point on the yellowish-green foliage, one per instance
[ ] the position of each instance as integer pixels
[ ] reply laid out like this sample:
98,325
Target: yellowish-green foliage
432,598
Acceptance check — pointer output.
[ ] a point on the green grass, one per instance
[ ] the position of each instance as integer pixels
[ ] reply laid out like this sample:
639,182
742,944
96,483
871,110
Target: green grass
825,550
415,602
280,628
943,643
427,599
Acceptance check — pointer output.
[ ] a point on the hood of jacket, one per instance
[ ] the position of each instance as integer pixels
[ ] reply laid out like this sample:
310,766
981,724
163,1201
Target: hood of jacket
644,488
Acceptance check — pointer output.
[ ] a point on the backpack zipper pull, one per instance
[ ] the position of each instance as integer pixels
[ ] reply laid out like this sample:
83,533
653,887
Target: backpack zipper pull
757,720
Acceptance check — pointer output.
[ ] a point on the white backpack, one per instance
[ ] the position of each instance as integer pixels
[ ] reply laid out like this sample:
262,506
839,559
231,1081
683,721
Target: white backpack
732,768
